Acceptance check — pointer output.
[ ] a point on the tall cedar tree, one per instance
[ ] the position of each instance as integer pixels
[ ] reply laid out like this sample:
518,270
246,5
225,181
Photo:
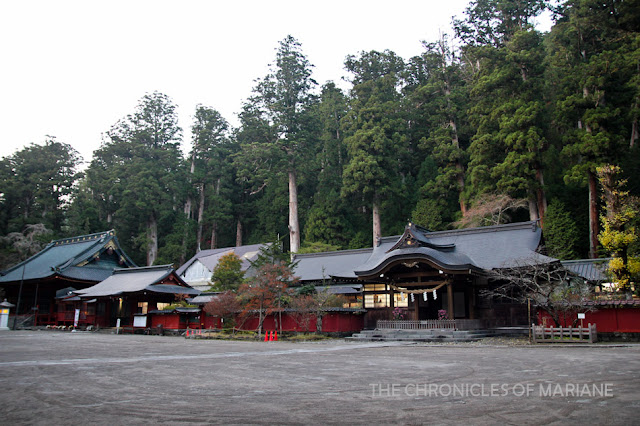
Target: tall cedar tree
211,169
594,85
375,131
36,184
279,110
138,173
437,99
505,54
327,220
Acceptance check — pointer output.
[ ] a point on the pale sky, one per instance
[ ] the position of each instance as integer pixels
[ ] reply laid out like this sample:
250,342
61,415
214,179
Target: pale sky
71,69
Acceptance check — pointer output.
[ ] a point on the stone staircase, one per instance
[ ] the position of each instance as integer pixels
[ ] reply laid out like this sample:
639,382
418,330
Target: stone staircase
431,335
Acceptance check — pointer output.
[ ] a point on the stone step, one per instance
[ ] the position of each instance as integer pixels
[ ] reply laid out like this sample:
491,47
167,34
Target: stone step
445,335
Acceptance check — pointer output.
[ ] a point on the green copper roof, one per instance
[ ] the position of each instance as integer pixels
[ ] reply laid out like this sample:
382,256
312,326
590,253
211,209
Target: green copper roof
77,258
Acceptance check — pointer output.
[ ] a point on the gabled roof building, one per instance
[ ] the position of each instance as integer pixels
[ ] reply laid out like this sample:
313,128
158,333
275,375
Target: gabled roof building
77,262
427,275
197,271
131,294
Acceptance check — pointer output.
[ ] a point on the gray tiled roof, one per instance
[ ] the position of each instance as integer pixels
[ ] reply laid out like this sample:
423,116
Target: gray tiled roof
487,248
134,280
323,266
210,258
589,269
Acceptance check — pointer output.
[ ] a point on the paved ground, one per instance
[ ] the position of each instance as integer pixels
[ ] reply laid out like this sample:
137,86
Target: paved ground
51,377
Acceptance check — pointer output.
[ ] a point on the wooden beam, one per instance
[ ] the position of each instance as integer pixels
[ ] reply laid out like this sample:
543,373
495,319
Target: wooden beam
417,274
420,283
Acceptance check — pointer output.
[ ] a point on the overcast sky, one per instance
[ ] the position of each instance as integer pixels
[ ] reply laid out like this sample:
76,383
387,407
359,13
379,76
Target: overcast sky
71,69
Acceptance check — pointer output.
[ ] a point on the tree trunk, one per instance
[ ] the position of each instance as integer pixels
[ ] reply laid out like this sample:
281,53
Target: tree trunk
239,232
455,141
187,208
152,235
533,208
542,196
200,219
377,228
214,225
593,216
459,168
294,225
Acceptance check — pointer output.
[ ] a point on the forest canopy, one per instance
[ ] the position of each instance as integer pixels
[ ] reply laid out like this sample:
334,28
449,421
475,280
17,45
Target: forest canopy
496,122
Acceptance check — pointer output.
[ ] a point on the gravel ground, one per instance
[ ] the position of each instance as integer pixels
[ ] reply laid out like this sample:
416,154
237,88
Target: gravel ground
50,377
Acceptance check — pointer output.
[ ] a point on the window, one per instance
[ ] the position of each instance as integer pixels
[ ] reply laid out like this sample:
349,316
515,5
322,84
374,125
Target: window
142,307
375,287
399,303
376,300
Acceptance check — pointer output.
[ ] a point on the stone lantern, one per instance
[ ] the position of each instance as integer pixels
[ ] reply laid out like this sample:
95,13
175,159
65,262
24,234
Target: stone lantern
4,314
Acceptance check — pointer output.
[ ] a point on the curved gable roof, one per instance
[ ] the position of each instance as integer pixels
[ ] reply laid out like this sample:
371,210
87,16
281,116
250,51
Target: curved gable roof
483,248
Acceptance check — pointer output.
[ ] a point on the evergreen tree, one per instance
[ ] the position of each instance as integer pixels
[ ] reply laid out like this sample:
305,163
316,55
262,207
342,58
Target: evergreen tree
228,274
36,184
437,100
590,78
505,54
561,234
138,174
375,131
278,120
327,219
211,172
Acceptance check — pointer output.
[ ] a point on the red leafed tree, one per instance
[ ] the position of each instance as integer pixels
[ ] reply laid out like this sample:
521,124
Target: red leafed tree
263,293
224,305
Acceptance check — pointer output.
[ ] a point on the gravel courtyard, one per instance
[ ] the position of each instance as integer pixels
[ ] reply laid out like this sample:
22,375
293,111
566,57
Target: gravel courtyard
52,377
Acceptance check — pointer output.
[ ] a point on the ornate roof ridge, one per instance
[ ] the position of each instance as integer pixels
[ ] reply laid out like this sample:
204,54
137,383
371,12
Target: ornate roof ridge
416,236
83,238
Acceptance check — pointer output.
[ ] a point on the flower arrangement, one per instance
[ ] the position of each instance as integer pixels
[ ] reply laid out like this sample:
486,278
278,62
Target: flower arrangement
398,314
442,314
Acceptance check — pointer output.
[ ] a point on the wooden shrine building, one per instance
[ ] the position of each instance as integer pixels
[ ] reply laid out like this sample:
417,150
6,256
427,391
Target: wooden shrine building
430,275
69,263
131,294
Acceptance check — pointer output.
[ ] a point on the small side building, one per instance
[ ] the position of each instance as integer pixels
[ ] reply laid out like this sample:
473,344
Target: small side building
131,294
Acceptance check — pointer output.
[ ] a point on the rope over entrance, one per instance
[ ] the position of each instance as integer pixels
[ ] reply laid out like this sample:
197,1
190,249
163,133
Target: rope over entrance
429,290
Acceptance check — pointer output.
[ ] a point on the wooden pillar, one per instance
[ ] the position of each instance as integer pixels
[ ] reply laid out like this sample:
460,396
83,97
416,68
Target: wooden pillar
416,308
450,300
392,302
472,303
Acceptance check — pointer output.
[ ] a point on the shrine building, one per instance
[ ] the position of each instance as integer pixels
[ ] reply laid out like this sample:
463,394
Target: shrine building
429,275
64,265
